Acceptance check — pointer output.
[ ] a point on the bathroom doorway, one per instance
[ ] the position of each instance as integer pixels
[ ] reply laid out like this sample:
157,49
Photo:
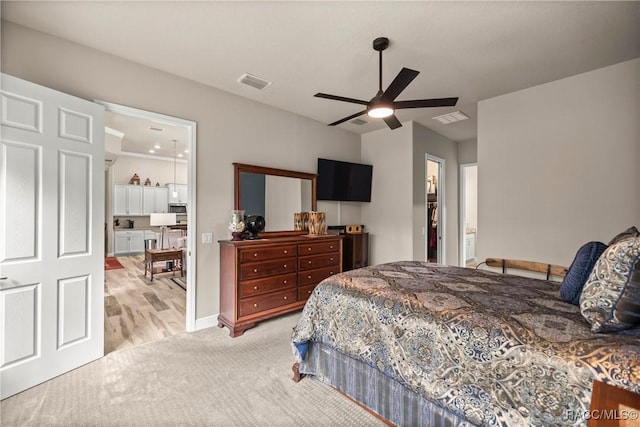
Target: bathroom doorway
468,214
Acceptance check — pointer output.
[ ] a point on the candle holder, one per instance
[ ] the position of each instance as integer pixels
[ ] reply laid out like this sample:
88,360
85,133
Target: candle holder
237,224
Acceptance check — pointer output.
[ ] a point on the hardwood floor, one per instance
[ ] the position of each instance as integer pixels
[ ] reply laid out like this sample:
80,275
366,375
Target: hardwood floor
138,310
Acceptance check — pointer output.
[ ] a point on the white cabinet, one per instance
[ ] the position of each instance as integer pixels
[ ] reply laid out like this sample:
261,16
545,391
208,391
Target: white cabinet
128,241
181,193
127,200
154,200
470,246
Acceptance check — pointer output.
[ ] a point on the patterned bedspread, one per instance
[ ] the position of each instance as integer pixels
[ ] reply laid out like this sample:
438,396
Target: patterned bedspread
496,349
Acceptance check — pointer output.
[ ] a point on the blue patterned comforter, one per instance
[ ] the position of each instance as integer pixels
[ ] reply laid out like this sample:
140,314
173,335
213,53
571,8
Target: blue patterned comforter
495,349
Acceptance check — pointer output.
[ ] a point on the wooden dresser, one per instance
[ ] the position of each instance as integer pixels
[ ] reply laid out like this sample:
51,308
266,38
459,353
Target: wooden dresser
261,279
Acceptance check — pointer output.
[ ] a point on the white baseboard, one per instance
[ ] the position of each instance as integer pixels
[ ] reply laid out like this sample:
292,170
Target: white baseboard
206,322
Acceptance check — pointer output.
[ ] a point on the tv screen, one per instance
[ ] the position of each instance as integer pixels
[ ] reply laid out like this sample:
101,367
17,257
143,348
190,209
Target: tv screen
344,181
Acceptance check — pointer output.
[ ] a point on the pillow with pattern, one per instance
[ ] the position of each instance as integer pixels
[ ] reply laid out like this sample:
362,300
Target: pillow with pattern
629,232
610,300
579,271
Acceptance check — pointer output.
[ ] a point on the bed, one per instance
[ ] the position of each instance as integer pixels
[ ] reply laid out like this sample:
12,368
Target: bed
427,344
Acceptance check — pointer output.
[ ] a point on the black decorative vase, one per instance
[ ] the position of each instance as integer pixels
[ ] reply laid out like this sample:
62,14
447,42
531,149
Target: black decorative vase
254,224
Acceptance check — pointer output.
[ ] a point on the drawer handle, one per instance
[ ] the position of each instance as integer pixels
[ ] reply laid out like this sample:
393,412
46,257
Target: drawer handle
331,272
285,297
255,305
308,262
331,247
308,277
284,282
309,249
255,254
285,266
309,292
285,251
255,287
331,259
255,270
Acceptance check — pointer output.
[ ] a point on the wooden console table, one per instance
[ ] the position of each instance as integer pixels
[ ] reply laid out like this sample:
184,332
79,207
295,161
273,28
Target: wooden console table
156,255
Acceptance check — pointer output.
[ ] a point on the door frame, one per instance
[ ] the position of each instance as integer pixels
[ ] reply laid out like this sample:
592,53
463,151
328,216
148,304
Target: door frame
190,309
463,213
440,200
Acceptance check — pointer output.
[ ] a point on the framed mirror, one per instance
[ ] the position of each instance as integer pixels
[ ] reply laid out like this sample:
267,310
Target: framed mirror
275,194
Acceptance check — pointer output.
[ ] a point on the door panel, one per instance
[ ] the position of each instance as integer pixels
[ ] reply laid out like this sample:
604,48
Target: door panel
52,214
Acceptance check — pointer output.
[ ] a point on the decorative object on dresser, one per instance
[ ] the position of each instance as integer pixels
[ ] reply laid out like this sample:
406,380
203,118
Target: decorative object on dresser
254,224
317,224
261,279
237,224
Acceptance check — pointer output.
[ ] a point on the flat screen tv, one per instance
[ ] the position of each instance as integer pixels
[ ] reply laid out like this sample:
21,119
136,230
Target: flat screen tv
343,181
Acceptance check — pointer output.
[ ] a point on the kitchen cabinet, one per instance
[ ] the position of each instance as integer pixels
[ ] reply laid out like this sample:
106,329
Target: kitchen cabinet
127,200
155,200
470,246
128,242
181,193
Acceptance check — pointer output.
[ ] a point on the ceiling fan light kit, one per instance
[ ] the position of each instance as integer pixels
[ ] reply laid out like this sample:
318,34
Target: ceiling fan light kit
383,105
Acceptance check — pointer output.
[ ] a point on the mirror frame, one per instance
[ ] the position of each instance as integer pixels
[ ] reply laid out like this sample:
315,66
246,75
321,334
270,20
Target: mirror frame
238,168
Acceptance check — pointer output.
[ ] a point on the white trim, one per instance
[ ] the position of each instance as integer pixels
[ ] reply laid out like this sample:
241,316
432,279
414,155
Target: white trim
442,208
151,156
206,322
190,314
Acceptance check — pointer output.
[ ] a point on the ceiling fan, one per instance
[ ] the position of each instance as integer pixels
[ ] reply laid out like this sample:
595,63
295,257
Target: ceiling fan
383,105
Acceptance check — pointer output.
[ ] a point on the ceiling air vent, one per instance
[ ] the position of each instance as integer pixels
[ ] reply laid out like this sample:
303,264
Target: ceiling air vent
358,122
254,81
456,116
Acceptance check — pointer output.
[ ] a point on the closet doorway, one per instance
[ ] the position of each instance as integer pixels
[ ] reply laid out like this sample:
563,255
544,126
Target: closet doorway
435,207
468,214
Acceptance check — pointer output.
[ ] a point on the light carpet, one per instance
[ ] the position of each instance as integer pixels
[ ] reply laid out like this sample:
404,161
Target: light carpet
203,378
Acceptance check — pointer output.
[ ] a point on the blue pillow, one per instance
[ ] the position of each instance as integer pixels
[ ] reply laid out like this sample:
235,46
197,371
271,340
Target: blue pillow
578,273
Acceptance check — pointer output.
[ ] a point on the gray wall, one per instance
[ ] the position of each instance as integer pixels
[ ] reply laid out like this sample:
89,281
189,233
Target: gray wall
230,128
427,141
559,165
396,214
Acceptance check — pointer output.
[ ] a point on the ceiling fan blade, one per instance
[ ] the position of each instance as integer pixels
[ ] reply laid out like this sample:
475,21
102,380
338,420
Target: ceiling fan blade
353,116
422,103
402,80
392,121
341,98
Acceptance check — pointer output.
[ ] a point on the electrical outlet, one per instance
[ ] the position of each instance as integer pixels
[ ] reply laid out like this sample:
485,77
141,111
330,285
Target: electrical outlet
207,237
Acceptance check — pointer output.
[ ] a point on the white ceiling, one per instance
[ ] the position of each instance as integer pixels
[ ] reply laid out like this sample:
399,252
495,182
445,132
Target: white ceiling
474,50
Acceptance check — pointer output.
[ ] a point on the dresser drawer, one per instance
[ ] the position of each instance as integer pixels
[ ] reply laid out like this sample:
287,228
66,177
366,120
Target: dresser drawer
304,292
255,287
261,254
318,248
253,270
313,277
265,302
317,261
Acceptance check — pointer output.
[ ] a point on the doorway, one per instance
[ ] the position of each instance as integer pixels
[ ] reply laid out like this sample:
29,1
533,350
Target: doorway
184,156
468,214
435,209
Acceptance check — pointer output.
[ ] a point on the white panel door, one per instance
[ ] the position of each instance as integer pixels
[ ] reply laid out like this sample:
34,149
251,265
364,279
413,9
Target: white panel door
51,223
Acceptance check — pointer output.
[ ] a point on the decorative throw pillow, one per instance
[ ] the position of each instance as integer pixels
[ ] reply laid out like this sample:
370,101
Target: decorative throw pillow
610,300
629,232
579,271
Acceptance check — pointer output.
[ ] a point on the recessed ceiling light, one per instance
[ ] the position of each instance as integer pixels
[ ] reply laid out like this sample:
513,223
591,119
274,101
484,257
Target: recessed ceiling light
157,146
180,155
152,151
456,116
186,151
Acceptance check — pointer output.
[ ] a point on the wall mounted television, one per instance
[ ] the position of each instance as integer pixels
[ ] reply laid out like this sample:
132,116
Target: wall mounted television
343,181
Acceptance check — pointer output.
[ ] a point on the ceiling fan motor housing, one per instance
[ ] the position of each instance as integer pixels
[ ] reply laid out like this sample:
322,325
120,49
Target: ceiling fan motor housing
380,44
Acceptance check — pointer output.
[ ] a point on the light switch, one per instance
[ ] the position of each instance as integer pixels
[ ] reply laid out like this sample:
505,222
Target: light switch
207,237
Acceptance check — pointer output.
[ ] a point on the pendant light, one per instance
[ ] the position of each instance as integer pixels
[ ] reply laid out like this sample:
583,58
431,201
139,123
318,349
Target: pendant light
175,185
